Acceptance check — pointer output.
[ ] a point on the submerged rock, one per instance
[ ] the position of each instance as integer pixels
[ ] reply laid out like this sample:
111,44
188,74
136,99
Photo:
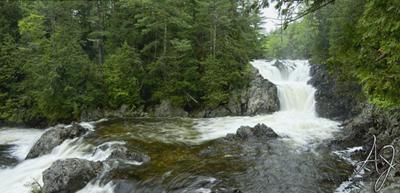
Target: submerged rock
121,153
54,137
70,175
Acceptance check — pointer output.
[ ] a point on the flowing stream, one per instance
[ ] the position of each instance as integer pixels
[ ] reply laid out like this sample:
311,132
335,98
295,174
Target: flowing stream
298,162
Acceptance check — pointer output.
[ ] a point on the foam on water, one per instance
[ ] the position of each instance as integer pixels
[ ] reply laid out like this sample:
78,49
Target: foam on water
22,139
19,179
296,119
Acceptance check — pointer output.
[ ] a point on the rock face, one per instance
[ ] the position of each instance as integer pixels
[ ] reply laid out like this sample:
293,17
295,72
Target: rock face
70,175
166,109
385,125
338,100
54,137
259,97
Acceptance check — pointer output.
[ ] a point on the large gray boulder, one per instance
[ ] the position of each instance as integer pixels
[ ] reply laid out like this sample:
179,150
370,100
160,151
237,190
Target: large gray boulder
54,137
260,96
70,175
258,132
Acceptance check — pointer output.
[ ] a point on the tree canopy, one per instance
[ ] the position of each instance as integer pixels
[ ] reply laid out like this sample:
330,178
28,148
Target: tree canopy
61,58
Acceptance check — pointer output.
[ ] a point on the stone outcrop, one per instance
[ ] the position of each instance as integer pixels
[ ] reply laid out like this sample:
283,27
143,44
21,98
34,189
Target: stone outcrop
359,131
259,97
166,109
54,137
337,100
70,175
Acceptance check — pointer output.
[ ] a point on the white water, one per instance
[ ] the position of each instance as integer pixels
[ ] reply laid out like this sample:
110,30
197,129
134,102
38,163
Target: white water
19,179
297,119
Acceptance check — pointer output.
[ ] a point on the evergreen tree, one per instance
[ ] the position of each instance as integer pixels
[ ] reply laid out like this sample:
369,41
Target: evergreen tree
124,73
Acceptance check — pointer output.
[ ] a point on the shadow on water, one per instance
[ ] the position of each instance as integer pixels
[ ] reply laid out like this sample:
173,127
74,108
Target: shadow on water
180,163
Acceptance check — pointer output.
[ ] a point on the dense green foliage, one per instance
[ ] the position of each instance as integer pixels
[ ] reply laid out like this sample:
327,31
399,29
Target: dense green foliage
358,39
59,59
292,43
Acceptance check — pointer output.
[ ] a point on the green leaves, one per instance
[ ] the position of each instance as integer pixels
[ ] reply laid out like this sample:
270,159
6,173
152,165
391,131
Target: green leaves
123,72
67,57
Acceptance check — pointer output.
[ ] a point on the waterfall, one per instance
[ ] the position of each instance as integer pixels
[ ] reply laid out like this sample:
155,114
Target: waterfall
296,120
290,77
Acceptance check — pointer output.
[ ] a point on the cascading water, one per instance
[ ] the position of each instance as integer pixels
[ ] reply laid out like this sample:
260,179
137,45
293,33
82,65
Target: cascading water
296,122
22,177
297,118
291,79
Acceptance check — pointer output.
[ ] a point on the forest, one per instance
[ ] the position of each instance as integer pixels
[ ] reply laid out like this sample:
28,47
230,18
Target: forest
143,96
359,40
61,58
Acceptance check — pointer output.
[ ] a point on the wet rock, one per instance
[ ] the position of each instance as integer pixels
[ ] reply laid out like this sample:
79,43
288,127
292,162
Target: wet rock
166,109
259,97
70,175
121,153
123,186
246,139
220,111
385,125
54,137
5,158
338,100
259,132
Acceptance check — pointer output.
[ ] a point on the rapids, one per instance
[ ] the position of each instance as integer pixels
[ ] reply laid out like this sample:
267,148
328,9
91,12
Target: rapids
297,163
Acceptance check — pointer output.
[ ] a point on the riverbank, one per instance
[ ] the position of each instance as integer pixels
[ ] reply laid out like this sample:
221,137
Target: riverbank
343,100
208,154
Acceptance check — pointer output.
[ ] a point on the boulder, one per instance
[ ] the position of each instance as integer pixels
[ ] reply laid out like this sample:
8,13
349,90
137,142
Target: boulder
260,131
121,153
260,96
70,175
54,137
338,100
166,109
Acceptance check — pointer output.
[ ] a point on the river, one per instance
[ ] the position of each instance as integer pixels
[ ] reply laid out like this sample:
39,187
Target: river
299,161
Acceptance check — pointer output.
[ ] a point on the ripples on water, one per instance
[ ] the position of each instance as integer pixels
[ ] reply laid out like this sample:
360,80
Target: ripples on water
185,158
